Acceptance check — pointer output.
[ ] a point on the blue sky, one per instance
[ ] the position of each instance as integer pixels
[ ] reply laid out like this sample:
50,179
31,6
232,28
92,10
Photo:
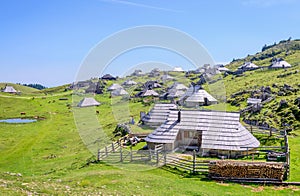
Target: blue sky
45,41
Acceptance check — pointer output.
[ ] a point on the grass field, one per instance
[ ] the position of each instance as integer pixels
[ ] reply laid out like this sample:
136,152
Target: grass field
52,158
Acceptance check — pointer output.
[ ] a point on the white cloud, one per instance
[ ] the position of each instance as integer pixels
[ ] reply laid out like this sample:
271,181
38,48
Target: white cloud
141,5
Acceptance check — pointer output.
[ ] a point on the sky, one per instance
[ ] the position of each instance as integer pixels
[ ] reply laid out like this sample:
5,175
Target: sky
47,41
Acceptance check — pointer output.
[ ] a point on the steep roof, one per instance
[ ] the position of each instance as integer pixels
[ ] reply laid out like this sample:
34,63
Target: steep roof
220,130
129,83
9,89
178,86
159,113
114,87
279,63
196,94
86,102
149,92
119,92
199,97
108,77
248,65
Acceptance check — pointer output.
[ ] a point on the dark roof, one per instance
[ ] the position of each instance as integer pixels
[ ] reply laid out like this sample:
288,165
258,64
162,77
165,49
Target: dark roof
108,77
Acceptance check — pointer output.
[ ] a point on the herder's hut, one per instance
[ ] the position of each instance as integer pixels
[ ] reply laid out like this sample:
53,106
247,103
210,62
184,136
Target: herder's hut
137,72
158,114
212,133
196,96
108,77
279,63
247,66
147,93
114,87
10,89
119,92
253,101
152,85
129,83
154,73
176,90
87,102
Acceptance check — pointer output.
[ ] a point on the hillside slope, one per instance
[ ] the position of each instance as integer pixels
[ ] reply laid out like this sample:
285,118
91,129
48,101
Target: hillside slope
23,89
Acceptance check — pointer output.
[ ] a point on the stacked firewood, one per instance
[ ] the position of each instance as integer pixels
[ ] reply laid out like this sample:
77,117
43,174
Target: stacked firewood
253,170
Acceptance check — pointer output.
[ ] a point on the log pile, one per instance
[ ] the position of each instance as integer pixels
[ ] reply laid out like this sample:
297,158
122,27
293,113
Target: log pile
246,170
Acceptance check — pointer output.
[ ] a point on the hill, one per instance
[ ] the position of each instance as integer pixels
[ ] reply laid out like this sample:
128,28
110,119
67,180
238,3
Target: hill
23,89
49,157
286,49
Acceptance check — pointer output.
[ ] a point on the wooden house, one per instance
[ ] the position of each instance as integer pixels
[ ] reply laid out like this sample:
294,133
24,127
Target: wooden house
248,66
119,92
114,87
10,89
129,83
147,93
279,63
175,91
158,114
196,96
212,133
88,102
108,77
253,101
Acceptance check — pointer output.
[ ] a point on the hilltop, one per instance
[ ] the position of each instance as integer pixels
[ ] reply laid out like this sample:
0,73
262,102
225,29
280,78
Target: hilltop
286,49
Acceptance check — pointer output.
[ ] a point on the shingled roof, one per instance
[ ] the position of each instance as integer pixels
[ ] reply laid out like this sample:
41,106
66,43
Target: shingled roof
158,114
9,89
86,102
220,130
196,96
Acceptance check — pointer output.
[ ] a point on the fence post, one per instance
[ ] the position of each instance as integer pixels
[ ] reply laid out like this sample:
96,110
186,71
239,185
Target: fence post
98,155
130,153
194,161
165,155
106,153
157,157
113,147
121,154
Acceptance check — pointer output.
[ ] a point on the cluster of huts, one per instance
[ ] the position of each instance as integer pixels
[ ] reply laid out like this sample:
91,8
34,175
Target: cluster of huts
183,122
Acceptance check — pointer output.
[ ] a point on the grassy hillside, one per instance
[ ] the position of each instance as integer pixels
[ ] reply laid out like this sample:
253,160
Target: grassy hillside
50,156
288,50
23,89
